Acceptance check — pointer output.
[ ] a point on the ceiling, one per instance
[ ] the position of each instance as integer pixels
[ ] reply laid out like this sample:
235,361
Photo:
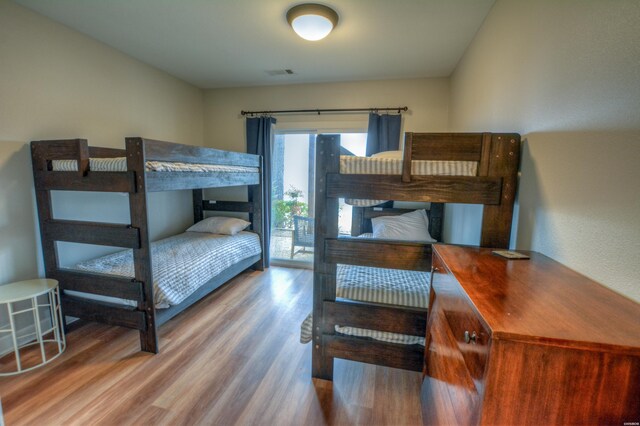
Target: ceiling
232,43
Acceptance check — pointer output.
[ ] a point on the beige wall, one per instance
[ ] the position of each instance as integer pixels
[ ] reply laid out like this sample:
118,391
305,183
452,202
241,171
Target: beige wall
427,100
57,83
566,75
224,127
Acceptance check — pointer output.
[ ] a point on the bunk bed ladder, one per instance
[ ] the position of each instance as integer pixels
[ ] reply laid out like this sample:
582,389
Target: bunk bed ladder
42,153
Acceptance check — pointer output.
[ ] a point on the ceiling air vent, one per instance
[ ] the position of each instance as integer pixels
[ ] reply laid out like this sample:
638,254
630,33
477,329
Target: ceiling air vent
274,73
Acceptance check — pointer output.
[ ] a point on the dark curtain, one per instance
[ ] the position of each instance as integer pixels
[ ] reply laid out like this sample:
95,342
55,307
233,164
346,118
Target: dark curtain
383,133
260,141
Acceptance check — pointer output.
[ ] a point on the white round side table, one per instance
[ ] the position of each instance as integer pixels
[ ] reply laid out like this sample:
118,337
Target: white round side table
15,298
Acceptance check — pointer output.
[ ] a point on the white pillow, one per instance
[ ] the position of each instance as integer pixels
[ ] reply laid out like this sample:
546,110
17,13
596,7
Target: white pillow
393,155
413,226
220,225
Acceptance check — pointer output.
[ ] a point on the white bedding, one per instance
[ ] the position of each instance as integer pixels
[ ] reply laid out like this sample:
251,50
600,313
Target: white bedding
350,164
119,164
378,285
181,263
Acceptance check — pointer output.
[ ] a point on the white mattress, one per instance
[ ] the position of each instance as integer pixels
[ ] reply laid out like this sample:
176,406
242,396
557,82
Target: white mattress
119,164
181,264
350,164
378,285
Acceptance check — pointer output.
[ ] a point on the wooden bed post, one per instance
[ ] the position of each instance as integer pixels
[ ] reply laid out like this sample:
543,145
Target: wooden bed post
357,221
256,216
142,256
324,274
407,157
500,158
436,215
45,213
198,211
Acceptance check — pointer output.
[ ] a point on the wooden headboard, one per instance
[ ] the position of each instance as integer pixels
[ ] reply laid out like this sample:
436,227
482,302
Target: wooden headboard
361,218
447,147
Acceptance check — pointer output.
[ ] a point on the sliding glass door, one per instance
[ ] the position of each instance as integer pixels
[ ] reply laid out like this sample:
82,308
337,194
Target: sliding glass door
293,176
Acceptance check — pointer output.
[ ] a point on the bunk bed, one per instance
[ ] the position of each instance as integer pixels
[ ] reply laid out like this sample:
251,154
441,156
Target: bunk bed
474,168
144,166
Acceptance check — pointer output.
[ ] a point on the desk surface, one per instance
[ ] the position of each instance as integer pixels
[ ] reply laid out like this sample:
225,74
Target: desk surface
542,300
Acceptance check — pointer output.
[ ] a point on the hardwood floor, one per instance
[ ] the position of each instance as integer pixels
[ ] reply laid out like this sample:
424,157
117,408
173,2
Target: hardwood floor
233,358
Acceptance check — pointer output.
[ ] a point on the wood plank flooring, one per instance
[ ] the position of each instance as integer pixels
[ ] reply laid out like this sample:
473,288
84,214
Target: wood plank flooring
233,358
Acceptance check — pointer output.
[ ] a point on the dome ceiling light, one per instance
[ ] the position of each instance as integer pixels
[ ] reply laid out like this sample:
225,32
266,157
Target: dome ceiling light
312,21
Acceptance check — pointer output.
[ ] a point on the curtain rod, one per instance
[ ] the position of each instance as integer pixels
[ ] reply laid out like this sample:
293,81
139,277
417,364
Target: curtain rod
320,111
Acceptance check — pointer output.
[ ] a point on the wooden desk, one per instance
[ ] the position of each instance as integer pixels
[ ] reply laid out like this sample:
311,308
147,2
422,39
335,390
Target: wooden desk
527,342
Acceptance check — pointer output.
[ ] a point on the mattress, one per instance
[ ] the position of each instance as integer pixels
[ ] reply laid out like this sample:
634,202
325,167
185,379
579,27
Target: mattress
119,164
377,285
390,166
181,263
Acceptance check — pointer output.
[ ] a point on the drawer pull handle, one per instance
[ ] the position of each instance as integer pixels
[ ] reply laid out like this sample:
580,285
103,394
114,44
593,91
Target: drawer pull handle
470,337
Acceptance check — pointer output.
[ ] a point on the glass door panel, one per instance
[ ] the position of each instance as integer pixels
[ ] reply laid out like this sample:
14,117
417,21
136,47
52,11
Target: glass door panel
293,177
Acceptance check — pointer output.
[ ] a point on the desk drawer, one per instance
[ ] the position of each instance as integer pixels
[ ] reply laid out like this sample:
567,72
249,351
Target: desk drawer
471,337
449,392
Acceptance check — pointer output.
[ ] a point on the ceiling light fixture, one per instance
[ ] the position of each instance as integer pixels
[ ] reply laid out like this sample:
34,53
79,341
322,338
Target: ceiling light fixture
312,21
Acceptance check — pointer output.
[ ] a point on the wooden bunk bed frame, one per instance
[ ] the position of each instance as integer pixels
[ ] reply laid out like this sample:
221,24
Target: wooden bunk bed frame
137,182
494,186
